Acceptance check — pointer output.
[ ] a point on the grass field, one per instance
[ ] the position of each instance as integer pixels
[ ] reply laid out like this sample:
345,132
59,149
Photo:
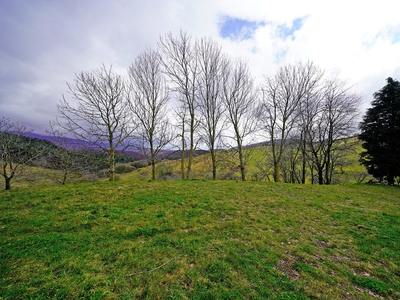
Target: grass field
347,171
200,240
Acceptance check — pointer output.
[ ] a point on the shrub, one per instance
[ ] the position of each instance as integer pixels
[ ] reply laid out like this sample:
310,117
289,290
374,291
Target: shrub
140,163
124,168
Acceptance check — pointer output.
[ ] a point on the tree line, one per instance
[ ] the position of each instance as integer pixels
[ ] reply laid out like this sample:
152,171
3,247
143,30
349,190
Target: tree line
188,93
216,103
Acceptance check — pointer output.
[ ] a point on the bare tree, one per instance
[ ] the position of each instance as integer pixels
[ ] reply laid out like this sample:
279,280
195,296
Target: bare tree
333,120
308,110
181,115
61,157
282,94
16,149
181,65
70,156
209,101
149,99
101,115
240,102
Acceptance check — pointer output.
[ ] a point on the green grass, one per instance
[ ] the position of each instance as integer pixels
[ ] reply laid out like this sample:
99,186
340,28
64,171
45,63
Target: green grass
200,240
348,171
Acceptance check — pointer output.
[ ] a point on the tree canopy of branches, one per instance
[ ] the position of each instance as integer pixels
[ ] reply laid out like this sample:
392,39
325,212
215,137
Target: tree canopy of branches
101,115
149,97
380,133
16,149
281,96
329,117
239,98
180,63
209,101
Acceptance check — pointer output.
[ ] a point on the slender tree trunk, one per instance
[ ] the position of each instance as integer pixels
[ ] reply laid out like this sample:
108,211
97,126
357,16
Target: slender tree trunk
112,164
277,172
312,173
152,158
183,156
241,162
213,162
183,146
64,178
275,161
8,182
191,150
153,168
304,161
320,175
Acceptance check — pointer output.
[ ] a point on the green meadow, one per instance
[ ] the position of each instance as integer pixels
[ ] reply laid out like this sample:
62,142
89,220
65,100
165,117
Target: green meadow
199,239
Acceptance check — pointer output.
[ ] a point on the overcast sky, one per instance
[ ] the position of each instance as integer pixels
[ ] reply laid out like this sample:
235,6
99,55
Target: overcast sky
43,43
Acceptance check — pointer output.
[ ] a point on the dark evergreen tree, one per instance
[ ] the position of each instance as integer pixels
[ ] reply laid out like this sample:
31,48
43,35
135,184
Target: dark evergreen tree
380,133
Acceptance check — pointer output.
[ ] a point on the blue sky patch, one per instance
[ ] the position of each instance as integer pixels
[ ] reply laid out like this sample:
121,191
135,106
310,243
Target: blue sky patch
280,56
238,29
396,37
288,32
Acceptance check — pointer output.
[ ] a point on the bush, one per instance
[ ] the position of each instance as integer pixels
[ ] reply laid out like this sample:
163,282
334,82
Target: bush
165,171
140,163
124,168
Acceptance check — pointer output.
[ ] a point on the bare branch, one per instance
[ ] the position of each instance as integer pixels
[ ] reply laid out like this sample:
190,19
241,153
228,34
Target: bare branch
101,114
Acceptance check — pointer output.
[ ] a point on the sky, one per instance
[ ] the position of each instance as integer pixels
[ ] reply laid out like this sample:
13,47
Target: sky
44,43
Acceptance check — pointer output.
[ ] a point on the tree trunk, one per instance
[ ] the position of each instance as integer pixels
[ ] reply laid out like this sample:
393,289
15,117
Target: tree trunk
8,183
153,159
312,173
320,176
191,150
112,164
304,162
153,169
214,163
183,153
277,171
242,166
183,159
64,178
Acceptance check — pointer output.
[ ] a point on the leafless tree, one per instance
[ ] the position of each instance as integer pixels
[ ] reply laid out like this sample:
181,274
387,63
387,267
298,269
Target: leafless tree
61,157
281,95
210,102
100,116
308,109
334,119
16,149
149,98
180,63
181,116
240,102
69,156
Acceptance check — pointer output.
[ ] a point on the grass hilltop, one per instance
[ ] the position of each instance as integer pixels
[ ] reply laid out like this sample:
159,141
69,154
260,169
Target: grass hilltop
200,240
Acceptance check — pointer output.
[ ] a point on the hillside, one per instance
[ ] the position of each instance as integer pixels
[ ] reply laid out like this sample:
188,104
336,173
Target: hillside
259,166
200,240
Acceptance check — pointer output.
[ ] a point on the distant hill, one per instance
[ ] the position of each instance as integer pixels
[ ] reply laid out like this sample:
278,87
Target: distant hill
69,143
76,144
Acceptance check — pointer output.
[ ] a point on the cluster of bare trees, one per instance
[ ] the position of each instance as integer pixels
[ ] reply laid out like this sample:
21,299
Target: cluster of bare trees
216,95
189,93
16,149
307,119
210,92
216,104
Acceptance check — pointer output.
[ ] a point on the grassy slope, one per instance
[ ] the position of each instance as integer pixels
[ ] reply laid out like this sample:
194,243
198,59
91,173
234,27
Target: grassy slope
227,160
200,240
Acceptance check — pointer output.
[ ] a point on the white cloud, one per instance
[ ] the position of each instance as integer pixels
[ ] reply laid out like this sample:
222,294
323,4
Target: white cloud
44,43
